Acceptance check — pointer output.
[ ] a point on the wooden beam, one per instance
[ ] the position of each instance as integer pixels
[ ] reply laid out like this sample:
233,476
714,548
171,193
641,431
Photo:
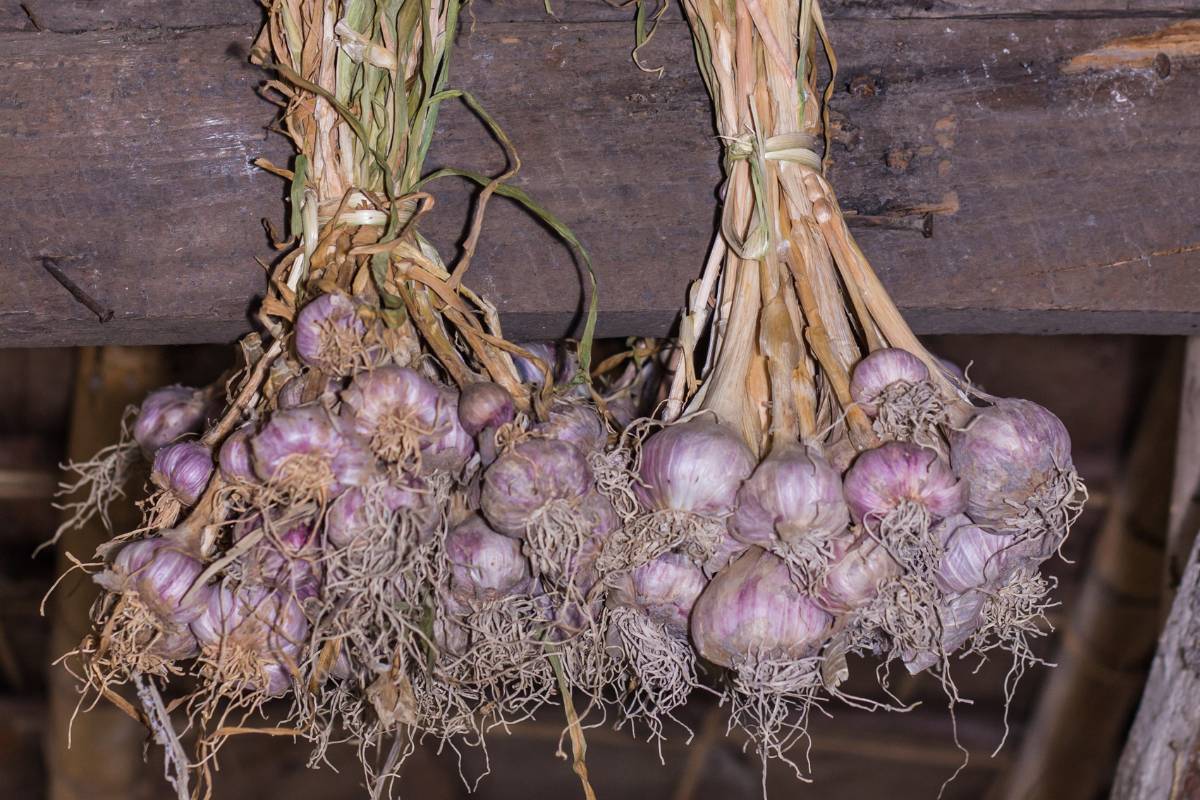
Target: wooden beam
1057,180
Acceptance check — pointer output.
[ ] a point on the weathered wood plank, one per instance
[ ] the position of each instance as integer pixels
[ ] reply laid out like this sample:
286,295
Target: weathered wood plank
1061,202
1162,754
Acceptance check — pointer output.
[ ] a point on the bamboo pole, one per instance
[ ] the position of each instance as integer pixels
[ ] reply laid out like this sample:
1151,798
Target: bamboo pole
104,761
1075,733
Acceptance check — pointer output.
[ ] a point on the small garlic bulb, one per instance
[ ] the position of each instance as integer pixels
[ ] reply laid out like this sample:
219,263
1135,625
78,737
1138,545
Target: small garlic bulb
183,469
330,336
665,588
166,414
881,369
880,480
484,565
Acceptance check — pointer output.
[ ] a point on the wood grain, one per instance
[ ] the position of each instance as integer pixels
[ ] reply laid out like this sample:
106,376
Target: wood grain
1059,202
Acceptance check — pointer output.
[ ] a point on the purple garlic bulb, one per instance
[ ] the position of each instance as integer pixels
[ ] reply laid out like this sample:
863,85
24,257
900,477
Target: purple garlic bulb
882,369
527,478
1009,454
484,565
304,448
484,405
694,466
792,495
882,479
161,576
255,624
752,611
183,469
287,558
362,512
235,459
448,447
575,423
974,558
855,575
960,616
330,335
559,360
665,588
166,414
407,418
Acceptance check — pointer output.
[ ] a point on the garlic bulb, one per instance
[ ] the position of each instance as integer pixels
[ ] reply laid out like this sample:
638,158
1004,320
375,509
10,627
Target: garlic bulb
287,558
166,414
881,369
752,611
665,589
575,423
1016,456
695,466
484,565
304,449
257,625
882,479
974,558
856,574
161,576
484,405
234,458
792,505
369,511
527,478
329,334
183,470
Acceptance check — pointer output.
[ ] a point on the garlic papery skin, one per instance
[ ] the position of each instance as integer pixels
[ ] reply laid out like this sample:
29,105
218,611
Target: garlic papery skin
372,511
297,390
752,611
303,451
1016,457
695,466
484,405
330,336
881,369
665,589
881,480
166,414
527,478
235,459
792,505
974,558
484,565
575,423
855,575
183,469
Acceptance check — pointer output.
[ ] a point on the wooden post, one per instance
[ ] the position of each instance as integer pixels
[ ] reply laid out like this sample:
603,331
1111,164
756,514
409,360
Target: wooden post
104,761
1075,733
1162,754
1185,490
